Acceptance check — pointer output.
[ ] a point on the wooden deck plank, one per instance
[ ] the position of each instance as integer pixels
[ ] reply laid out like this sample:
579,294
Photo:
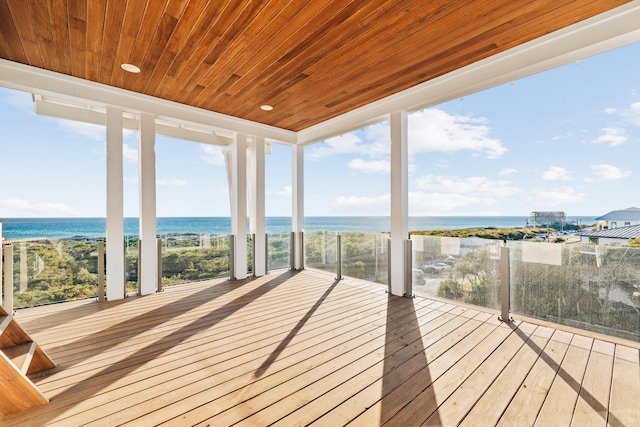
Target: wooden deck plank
300,348
530,396
419,390
371,385
222,333
490,406
145,382
284,370
462,400
625,388
560,402
397,352
593,402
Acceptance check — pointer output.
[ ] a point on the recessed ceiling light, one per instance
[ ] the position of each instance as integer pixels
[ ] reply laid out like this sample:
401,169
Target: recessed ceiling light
266,107
130,68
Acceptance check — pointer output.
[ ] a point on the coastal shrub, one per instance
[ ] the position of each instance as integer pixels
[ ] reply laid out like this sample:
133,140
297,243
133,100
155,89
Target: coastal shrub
451,289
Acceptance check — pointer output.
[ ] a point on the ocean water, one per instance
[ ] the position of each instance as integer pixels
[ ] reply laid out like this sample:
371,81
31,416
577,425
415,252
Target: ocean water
20,228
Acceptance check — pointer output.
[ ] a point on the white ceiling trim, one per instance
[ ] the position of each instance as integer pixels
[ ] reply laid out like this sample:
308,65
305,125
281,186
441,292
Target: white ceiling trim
606,31
74,90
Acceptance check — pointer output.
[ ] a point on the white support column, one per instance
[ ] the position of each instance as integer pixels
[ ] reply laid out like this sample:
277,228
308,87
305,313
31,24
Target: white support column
255,172
238,175
297,213
399,198
147,187
115,206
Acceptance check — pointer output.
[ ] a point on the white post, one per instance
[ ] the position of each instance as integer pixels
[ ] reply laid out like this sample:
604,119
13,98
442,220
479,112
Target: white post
147,187
399,199
7,302
238,176
115,206
255,172
297,214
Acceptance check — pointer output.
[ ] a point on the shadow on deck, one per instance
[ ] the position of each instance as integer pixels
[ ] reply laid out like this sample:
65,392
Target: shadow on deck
302,348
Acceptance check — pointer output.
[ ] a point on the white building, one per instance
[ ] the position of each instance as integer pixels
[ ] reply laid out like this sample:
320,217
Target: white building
618,235
619,218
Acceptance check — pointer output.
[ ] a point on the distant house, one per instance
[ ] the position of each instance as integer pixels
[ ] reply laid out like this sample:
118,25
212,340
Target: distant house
619,235
621,218
546,219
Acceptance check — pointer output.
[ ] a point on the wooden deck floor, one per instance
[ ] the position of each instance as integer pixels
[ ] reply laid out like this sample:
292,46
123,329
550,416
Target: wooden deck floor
300,348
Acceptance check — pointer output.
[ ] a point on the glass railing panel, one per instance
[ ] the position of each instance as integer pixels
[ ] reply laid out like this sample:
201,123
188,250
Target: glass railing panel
364,256
249,254
462,269
189,257
591,287
278,250
48,271
131,259
320,250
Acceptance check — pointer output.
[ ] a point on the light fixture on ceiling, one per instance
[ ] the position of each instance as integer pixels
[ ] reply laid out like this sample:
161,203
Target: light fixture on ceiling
130,68
266,107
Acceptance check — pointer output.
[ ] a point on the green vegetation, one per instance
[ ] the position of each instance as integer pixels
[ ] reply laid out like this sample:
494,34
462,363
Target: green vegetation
487,233
591,287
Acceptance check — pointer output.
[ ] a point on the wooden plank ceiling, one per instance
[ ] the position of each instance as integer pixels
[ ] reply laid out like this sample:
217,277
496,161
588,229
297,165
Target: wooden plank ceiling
310,60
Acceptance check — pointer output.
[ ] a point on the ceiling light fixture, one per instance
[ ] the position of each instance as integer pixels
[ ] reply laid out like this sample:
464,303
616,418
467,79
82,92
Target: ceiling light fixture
130,68
266,107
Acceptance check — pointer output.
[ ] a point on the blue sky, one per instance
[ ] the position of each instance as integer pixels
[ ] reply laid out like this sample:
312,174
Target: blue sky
567,139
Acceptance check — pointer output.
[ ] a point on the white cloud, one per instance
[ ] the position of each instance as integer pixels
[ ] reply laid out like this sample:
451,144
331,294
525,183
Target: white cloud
212,154
609,172
25,208
508,171
553,198
370,165
286,191
609,110
88,130
348,143
555,173
171,182
611,136
633,113
435,204
479,186
437,130
443,164
429,130
130,154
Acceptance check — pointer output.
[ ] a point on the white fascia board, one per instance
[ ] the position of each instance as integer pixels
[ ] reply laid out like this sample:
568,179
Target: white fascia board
609,30
35,80
86,115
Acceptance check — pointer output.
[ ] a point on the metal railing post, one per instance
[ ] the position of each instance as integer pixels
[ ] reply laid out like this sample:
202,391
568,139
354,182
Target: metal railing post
504,284
266,254
408,267
301,250
139,267
292,252
159,253
232,257
253,254
389,266
7,301
101,275
338,257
